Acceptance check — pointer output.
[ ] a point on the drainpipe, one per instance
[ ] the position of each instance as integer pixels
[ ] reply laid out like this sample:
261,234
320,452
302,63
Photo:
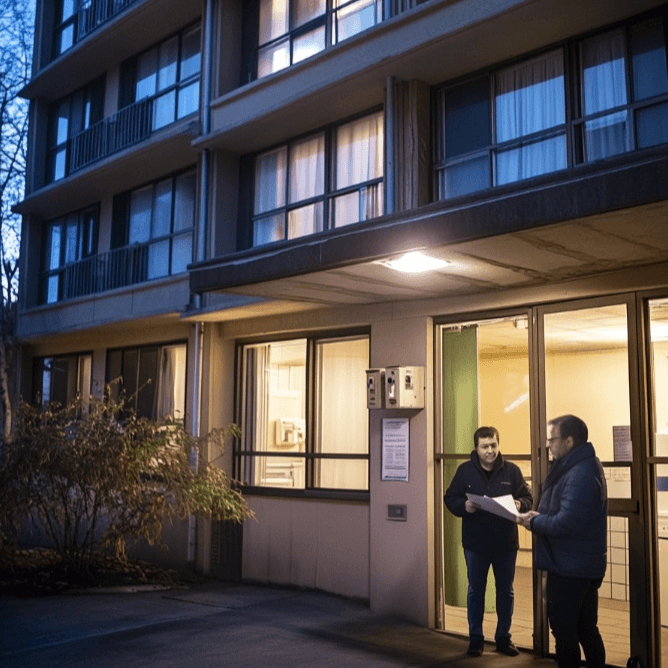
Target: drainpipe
390,111
200,256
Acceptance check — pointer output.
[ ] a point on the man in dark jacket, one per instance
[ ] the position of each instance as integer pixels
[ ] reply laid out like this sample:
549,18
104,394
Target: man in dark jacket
571,541
488,540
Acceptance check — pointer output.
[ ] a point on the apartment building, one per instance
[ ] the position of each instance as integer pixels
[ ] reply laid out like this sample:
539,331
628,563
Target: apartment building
257,204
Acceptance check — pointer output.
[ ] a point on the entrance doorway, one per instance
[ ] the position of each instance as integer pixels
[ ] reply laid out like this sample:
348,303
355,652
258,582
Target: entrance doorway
515,372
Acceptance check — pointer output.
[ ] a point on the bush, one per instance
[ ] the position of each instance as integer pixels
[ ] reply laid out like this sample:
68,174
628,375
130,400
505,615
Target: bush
88,481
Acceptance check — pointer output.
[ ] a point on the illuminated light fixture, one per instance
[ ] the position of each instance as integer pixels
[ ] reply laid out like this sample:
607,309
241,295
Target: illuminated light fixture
414,262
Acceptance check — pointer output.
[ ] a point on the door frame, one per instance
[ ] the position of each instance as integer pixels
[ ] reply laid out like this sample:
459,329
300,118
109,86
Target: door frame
639,509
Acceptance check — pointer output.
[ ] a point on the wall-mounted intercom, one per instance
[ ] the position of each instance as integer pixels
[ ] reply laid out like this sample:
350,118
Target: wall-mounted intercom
375,388
404,387
290,431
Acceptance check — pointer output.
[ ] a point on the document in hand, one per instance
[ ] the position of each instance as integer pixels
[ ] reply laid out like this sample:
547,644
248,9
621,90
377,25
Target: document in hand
503,506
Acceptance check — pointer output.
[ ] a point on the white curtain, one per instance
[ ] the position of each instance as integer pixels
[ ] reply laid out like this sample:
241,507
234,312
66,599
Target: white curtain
274,19
604,73
359,151
307,168
604,84
171,400
306,10
270,173
530,98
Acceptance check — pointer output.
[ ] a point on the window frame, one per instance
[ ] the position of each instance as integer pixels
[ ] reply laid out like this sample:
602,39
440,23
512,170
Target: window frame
575,117
327,20
87,224
330,192
121,225
85,109
40,370
117,389
243,454
130,72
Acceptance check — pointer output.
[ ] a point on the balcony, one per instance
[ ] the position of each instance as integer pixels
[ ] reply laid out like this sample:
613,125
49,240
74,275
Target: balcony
119,268
95,13
129,126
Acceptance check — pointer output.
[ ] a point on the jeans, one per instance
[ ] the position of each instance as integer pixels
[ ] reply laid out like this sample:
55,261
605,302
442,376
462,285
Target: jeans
477,567
572,609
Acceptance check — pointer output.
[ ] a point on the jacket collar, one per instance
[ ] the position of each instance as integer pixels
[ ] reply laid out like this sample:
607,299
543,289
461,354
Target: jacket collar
568,461
498,462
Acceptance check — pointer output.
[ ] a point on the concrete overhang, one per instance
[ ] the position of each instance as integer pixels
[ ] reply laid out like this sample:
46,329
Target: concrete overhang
165,151
591,222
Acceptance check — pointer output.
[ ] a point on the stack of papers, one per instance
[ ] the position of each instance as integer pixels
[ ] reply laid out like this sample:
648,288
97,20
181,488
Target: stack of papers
503,506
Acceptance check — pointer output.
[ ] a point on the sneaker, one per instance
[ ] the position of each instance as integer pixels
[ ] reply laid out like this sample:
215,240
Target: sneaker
475,648
507,648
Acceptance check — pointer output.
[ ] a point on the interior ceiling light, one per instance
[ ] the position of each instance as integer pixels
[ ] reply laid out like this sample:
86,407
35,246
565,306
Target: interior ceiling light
414,262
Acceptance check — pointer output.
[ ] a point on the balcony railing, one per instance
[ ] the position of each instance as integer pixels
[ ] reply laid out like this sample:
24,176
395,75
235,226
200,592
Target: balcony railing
125,128
94,13
118,268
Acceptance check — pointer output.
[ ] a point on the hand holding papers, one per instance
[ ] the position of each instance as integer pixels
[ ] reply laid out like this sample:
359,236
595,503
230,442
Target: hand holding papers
503,506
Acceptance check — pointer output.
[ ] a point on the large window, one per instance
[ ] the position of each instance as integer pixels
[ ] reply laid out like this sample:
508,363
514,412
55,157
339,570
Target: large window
293,396
168,74
152,379
68,117
158,221
292,30
326,180
67,240
514,123
63,378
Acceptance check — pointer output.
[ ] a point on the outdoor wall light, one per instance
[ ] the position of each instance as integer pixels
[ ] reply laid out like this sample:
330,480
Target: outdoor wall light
414,262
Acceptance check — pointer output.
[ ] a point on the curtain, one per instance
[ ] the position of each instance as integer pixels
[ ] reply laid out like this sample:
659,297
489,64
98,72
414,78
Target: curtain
270,174
356,17
171,400
530,98
140,215
307,168
460,420
359,151
274,19
306,10
604,87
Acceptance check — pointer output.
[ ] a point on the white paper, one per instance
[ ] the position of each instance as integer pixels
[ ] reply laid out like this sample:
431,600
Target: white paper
395,445
503,506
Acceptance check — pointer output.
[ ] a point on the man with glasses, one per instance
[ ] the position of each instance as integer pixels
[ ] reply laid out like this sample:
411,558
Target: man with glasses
571,541
488,540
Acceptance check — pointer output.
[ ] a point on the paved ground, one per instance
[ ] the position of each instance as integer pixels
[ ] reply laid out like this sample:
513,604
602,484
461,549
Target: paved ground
232,627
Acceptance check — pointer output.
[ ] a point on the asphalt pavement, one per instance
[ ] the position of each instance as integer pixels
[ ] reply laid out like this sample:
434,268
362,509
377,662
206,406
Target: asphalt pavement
239,626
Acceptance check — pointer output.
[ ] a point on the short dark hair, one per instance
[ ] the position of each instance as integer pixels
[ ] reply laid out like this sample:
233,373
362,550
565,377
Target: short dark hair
570,425
485,432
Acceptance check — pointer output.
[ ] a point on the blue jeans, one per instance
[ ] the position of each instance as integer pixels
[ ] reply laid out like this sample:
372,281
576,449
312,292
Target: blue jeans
477,567
572,609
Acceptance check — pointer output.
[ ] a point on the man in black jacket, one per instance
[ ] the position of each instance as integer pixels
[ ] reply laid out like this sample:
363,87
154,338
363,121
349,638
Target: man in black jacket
571,529
488,540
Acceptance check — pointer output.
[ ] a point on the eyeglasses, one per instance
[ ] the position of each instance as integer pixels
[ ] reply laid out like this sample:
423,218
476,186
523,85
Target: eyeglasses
554,438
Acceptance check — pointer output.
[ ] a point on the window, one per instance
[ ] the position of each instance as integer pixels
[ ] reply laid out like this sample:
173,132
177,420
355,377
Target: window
292,30
528,136
65,26
624,84
283,383
158,220
512,124
69,117
167,74
63,378
152,379
326,180
67,241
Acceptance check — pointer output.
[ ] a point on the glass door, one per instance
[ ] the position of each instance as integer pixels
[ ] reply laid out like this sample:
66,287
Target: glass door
586,372
485,382
658,401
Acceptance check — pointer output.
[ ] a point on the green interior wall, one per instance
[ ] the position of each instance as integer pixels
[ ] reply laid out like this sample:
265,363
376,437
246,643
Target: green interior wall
460,420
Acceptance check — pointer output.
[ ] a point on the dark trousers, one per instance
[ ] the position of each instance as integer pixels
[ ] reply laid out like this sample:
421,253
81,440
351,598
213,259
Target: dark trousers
477,567
572,609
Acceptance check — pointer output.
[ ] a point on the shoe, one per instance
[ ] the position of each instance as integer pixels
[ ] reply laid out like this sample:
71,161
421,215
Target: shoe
475,648
507,648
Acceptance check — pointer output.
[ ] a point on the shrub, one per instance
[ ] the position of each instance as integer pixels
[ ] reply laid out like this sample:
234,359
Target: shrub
88,481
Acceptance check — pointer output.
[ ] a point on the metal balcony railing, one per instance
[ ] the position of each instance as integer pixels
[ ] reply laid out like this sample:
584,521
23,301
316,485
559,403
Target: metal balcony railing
118,268
94,13
125,128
